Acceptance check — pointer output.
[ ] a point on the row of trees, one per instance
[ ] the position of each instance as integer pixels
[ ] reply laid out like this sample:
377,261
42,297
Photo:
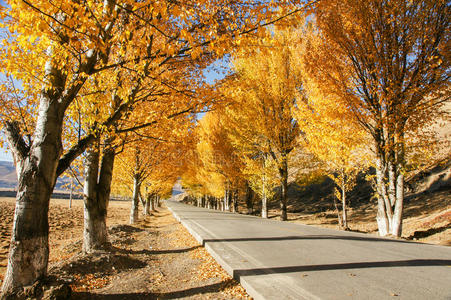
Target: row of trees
103,78
119,83
357,84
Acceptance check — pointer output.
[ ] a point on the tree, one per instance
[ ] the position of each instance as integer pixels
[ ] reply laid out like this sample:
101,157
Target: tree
219,156
267,83
150,160
388,63
333,135
28,255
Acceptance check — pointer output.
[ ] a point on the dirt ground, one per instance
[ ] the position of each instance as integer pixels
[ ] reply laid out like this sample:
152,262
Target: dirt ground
154,259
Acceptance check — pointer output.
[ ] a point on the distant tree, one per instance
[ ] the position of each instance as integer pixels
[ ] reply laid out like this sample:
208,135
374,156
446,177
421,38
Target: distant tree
267,81
332,134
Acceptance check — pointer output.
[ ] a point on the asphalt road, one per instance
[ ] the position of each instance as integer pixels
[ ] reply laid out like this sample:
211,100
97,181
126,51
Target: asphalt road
279,260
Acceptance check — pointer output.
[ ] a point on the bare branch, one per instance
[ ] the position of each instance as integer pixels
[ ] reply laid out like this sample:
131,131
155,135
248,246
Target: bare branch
16,142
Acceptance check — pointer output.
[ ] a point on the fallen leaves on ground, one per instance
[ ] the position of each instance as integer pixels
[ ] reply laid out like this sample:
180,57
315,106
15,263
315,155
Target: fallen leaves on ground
88,282
208,268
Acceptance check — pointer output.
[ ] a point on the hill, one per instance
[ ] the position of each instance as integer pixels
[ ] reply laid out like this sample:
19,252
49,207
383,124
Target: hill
8,180
427,205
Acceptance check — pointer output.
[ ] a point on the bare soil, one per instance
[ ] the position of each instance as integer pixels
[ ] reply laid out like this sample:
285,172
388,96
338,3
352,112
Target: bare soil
153,259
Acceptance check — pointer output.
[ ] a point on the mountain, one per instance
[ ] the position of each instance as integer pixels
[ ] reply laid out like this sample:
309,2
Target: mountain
8,178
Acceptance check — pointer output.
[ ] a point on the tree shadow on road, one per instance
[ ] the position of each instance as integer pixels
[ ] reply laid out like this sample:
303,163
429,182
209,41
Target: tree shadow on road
343,266
306,237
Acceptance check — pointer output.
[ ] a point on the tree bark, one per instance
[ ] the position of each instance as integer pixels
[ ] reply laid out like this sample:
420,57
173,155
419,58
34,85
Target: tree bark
157,201
233,199
135,201
264,199
226,200
249,199
397,217
382,217
36,170
390,203
148,207
337,210
96,198
343,200
154,203
283,195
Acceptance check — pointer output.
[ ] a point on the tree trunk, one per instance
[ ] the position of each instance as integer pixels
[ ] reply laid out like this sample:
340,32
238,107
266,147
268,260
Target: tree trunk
36,171
71,191
337,210
391,183
283,195
148,204
249,199
96,196
226,200
142,200
382,217
152,203
91,213
343,200
155,202
390,203
397,217
135,201
233,199
264,199
29,248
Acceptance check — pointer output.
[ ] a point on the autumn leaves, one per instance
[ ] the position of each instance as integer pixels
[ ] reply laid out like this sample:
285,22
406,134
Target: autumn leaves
124,80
